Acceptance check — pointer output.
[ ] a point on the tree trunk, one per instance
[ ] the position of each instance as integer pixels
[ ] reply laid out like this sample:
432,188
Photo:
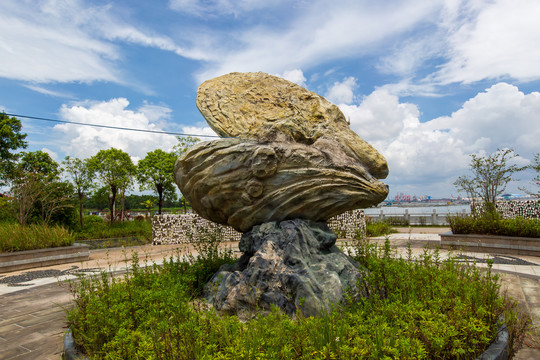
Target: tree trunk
160,201
111,204
122,207
81,209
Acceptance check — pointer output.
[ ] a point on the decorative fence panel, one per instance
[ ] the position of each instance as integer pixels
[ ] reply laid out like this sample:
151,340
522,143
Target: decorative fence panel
179,229
509,209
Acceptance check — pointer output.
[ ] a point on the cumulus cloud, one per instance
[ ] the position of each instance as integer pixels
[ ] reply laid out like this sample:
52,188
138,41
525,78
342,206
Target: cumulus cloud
342,92
295,75
430,155
86,141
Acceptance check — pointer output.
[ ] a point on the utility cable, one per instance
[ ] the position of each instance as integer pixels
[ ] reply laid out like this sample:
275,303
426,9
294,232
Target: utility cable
109,127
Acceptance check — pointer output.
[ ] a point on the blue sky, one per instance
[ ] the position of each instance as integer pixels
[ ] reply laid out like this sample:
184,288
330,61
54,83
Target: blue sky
427,82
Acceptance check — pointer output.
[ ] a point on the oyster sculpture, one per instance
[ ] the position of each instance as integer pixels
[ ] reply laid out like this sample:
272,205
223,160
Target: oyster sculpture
286,153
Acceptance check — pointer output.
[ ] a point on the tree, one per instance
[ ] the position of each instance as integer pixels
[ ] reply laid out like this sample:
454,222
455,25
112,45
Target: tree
39,162
36,189
11,139
490,176
184,143
81,178
535,165
156,172
115,169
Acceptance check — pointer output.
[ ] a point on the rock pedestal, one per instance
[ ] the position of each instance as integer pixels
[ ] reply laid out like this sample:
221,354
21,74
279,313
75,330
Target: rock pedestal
293,264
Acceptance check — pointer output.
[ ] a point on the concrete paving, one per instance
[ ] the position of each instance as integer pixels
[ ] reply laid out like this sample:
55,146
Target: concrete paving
33,302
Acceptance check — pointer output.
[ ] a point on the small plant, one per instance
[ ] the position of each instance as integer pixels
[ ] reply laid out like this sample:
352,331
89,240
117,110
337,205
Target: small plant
378,228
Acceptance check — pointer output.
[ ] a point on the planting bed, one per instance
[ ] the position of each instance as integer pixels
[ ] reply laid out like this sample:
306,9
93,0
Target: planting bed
21,260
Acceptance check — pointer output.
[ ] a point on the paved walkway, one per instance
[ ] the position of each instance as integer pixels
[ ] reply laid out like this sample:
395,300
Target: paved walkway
33,302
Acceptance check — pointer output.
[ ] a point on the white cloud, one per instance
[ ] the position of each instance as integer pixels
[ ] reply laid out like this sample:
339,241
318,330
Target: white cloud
65,41
51,153
380,116
45,91
342,92
41,46
220,7
199,131
498,39
432,154
85,141
296,76
320,32
410,54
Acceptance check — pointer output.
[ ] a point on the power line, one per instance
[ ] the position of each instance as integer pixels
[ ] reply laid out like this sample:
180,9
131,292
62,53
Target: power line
109,127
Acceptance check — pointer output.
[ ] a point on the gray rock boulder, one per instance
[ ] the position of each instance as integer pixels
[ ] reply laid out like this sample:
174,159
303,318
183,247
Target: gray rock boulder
293,264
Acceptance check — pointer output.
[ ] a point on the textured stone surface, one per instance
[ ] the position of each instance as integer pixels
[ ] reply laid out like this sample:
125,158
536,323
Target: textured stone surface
288,154
244,183
268,108
510,209
293,265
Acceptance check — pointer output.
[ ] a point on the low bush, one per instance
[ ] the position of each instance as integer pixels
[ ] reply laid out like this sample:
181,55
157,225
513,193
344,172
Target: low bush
490,224
417,308
378,228
96,228
14,237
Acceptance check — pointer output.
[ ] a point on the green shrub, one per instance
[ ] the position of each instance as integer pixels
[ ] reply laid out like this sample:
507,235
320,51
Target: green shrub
96,228
417,308
14,237
378,228
489,224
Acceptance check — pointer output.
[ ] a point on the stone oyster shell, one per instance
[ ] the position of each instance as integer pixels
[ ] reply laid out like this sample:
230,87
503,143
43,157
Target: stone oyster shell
289,153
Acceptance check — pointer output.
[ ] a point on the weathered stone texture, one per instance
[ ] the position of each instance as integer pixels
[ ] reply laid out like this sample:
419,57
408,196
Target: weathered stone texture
292,264
268,108
241,183
288,154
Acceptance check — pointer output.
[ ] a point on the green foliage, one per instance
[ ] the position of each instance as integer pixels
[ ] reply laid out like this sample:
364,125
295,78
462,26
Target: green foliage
184,143
208,259
96,228
113,168
378,228
535,166
421,308
490,175
14,237
155,172
493,224
37,194
81,178
39,162
11,139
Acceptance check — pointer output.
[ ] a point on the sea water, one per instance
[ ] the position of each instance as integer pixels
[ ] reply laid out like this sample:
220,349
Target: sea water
400,209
